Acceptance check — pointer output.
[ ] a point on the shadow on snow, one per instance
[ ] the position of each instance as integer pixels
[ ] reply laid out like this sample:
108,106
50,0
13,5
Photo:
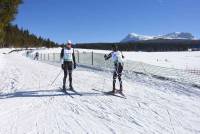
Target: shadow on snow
45,93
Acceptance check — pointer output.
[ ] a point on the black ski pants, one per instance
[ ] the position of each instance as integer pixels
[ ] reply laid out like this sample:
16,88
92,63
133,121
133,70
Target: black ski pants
67,68
117,73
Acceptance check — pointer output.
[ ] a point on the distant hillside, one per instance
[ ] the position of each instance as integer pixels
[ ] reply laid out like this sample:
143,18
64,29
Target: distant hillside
148,45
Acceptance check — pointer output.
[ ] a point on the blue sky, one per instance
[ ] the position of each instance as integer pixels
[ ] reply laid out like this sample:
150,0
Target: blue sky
107,20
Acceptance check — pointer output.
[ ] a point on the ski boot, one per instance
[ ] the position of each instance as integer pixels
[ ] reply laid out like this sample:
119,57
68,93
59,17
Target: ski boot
71,87
64,88
113,91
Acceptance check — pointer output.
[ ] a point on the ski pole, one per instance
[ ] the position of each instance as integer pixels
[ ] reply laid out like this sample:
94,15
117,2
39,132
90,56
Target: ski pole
104,80
56,77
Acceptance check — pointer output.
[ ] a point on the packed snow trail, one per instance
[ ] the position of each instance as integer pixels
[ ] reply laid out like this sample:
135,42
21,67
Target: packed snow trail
28,104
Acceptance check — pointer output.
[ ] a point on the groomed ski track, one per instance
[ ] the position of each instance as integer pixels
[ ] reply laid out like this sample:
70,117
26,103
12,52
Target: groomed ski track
29,104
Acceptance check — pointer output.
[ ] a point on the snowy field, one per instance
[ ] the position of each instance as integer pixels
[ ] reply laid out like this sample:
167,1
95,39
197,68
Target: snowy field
179,60
29,104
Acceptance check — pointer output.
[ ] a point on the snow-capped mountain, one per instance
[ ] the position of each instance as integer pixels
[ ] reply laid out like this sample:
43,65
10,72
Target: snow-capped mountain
136,37
132,37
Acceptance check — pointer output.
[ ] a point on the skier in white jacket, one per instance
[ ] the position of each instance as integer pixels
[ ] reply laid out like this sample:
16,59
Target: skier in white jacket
117,58
68,62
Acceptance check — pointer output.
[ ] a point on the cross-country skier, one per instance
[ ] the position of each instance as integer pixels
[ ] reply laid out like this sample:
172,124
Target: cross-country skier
36,56
68,63
117,58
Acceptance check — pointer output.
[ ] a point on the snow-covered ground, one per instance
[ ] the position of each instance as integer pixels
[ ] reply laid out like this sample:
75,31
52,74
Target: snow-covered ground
29,104
179,60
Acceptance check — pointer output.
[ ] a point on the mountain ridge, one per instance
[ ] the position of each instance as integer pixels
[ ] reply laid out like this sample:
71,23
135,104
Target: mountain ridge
133,37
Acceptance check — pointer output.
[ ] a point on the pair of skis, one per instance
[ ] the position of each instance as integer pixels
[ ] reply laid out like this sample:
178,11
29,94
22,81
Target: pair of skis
66,91
117,93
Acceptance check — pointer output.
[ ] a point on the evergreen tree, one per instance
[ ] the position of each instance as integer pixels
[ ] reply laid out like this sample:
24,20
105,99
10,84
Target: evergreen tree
8,10
15,37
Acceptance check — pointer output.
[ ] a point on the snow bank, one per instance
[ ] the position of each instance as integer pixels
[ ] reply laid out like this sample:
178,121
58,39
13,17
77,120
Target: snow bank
2,59
48,50
177,60
6,50
2,62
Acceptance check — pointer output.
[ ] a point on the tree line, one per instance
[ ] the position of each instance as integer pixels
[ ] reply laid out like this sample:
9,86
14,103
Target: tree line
8,11
149,46
15,37
11,35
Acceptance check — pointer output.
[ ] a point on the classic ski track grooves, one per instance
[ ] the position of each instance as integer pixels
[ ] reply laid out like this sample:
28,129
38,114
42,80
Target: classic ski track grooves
28,104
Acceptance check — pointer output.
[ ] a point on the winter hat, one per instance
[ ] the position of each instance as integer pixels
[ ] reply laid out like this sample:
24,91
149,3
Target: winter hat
69,42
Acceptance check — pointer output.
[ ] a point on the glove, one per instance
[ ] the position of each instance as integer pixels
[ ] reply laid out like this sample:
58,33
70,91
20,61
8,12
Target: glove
74,65
105,57
62,66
